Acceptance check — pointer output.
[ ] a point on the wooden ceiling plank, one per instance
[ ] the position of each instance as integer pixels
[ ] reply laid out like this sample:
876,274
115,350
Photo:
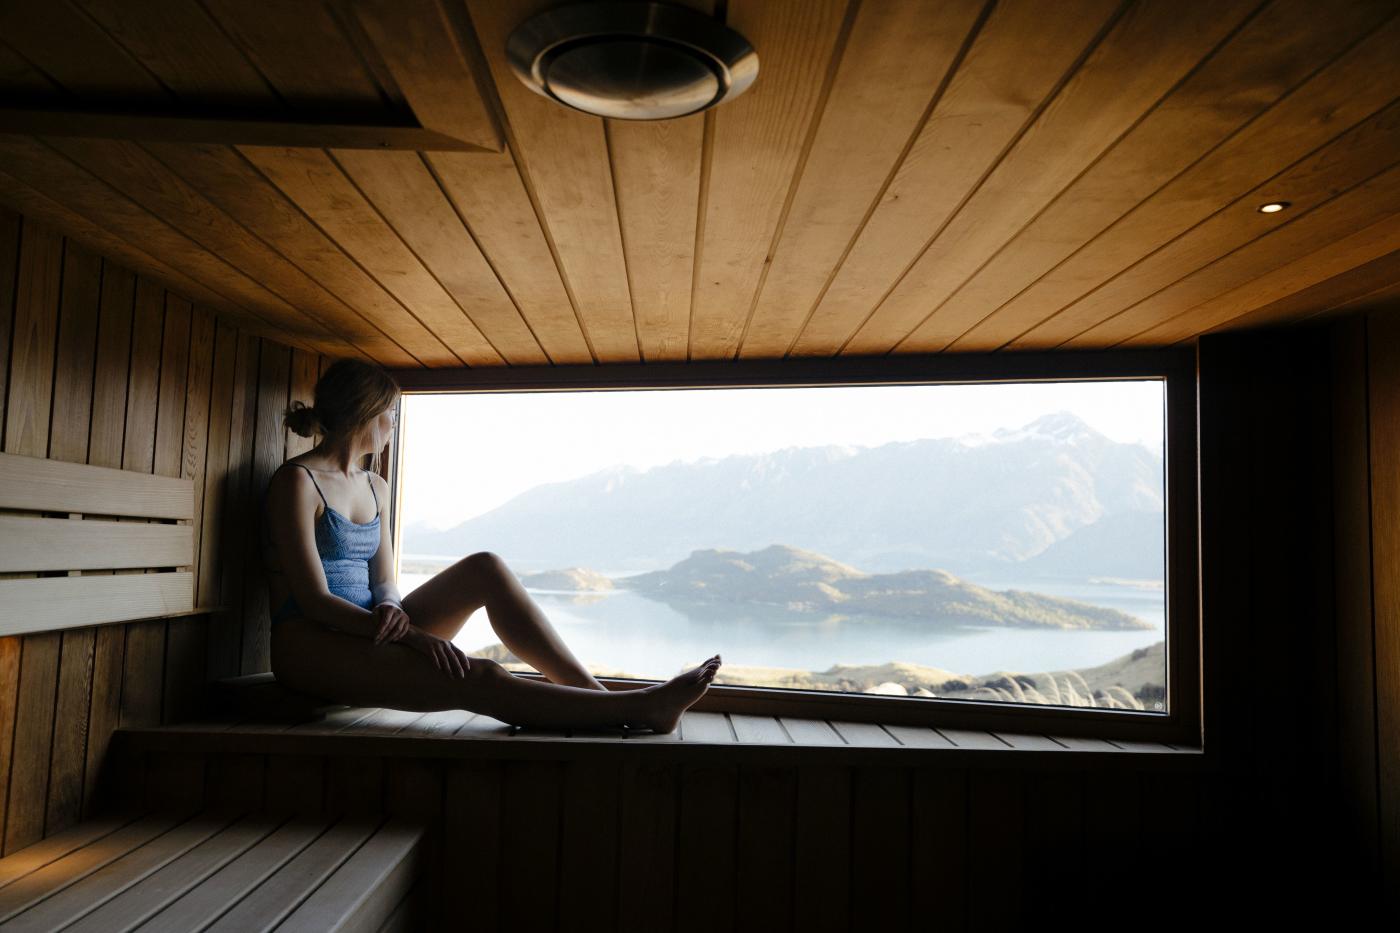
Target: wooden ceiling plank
408,196
897,57
1366,246
1336,97
76,53
231,132
34,203
419,46
562,156
1270,55
317,185
276,38
656,175
1143,57
759,142
43,168
1016,60
227,179
20,80
1129,302
486,190
1356,228
1368,285
145,180
185,50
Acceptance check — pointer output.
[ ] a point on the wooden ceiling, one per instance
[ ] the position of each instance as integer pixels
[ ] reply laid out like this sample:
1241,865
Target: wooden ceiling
367,177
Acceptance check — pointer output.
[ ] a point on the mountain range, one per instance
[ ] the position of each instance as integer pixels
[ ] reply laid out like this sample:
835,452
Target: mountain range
1055,498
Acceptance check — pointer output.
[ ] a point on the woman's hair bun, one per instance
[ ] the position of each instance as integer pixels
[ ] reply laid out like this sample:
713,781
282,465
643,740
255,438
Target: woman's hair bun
303,419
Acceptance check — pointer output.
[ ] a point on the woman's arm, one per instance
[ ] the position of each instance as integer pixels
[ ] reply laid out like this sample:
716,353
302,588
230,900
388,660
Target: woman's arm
381,565
291,511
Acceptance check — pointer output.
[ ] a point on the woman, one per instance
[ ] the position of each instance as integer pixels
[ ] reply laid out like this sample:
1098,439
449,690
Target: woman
340,629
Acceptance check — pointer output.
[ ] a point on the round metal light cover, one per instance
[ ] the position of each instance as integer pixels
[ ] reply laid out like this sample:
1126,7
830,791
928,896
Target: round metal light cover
631,60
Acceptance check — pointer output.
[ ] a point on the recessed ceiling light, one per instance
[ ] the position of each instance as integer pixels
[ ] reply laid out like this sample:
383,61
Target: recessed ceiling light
1273,207
630,60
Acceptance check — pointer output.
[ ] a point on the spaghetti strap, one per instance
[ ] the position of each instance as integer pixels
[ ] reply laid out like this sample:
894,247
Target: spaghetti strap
373,493
316,484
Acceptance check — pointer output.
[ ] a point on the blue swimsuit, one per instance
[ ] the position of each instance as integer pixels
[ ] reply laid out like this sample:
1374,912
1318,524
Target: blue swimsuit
345,548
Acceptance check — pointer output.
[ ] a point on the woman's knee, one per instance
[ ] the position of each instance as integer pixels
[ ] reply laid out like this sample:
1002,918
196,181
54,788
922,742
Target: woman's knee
485,670
487,561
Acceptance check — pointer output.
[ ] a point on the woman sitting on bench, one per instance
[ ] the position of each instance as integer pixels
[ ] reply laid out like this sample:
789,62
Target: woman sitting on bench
340,631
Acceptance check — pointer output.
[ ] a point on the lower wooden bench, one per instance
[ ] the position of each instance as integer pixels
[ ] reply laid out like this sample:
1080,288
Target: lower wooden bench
217,872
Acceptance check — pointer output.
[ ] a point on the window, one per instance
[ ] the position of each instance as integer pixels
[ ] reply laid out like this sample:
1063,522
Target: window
967,544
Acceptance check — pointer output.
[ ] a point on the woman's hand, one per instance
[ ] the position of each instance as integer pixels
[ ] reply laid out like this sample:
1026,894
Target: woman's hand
446,656
393,623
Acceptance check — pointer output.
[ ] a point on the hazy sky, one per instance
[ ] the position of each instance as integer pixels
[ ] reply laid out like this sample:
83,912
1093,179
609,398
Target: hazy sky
467,454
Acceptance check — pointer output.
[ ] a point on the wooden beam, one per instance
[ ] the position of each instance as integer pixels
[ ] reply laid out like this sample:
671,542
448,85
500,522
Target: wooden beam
233,132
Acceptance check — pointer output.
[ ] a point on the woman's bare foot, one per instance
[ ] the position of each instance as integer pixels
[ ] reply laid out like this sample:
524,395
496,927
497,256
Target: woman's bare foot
666,702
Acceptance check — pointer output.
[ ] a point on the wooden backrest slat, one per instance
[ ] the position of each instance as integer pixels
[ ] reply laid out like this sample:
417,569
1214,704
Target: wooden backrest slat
32,544
41,485
44,604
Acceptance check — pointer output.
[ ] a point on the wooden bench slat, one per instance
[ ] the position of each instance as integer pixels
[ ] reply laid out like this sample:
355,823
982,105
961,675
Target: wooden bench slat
154,892
812,731
72,868
366,887
39,484
706,728
971,738
918,737
1028,742
79,898
865,734
34,857
234,881
759,730
42,604
270,902
31,544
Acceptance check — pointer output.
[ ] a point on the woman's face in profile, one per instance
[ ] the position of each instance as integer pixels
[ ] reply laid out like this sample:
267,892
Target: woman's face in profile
382,428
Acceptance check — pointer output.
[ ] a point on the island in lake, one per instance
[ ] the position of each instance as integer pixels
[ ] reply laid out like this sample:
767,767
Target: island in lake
796,580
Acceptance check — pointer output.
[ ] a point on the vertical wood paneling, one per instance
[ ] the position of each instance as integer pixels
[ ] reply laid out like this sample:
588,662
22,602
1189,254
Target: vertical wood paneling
9,647
472,812
69,440
269,450
27,406
100,366
588,846
1383,368
647,854
105,448
1356,680
226,628
529,875
938,864
705,847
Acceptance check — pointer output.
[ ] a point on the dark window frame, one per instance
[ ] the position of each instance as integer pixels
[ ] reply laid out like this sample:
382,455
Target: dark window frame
1180,726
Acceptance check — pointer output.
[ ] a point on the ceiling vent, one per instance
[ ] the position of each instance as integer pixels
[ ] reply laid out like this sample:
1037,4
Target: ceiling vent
631,61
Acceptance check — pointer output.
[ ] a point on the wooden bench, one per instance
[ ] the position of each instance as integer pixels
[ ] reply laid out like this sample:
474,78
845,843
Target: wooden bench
260,697
217,871
106,545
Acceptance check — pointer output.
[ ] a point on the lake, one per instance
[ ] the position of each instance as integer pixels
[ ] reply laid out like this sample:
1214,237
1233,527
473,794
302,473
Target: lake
622,630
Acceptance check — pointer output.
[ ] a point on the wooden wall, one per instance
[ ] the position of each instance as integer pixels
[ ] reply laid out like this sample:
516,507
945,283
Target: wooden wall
102,366
1300,503
1366,450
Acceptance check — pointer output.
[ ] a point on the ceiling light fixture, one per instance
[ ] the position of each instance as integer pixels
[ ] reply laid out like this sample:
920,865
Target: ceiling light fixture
1273,207
631,60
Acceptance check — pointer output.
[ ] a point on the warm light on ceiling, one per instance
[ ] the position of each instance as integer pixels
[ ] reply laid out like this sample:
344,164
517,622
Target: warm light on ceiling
1273,207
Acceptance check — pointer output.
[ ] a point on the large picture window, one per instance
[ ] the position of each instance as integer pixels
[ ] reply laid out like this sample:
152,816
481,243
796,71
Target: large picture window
990,542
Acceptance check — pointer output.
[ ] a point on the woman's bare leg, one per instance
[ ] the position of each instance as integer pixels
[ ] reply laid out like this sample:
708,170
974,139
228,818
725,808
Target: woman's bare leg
442,605
315,660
